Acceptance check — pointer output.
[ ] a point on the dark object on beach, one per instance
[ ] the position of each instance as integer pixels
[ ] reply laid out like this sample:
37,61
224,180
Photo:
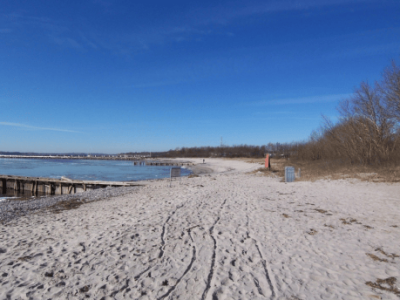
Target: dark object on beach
84,289
203,160
49,274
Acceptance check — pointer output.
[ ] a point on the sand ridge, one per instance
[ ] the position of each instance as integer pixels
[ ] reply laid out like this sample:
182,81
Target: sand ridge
225,235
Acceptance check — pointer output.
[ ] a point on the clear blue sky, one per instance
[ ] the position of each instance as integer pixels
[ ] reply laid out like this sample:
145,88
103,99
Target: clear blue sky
118,76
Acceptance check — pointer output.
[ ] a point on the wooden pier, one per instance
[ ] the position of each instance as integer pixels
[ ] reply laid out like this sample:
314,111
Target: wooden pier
50,186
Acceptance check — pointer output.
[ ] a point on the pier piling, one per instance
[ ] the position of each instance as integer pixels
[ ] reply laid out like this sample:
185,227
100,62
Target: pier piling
3,186
51,186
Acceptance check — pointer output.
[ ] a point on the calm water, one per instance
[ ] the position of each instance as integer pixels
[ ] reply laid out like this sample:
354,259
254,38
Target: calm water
109,170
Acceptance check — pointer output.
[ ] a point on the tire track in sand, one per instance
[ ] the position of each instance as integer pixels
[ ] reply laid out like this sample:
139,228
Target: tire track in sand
163,231
263,261
137,277
189,267
184,273
212,268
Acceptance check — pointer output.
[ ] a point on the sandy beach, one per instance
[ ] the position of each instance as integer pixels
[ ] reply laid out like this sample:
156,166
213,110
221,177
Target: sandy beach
226,234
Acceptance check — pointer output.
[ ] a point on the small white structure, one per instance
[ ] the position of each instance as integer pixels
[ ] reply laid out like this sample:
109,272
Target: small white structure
289,174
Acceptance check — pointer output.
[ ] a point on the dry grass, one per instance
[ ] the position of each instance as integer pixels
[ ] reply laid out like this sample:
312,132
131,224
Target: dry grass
316,170
311,171
376,258
193,176
24,258
349,221
392,255
387,284
260,161
330,226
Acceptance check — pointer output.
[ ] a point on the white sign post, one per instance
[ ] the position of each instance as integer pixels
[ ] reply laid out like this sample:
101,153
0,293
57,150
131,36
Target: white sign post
175,172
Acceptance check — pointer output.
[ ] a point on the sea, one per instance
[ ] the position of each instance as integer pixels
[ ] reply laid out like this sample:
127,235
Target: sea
82,169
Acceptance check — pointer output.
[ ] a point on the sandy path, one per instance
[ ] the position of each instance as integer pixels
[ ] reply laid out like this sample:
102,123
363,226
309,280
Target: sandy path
219,236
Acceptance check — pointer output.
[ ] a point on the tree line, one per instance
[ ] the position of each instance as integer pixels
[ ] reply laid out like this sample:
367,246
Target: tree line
367,131
229,151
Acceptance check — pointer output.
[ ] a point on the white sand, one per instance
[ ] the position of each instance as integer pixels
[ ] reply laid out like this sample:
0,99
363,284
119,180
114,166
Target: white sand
227,235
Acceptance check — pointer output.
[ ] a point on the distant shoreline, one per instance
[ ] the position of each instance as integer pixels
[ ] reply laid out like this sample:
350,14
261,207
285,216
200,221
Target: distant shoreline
74,157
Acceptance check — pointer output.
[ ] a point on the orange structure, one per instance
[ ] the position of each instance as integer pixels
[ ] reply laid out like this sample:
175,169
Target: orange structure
267,162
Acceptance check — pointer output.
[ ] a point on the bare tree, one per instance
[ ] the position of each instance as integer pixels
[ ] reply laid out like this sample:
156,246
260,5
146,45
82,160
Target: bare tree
368,119
390,88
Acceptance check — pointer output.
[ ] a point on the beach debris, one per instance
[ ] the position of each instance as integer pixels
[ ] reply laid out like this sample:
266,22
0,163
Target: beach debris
312,231
322,211
165,283
349,221
61,283
49,274
393,255
330,226
84,289
25,258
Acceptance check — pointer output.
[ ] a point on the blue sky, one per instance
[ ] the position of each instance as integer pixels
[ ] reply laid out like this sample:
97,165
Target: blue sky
119,76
